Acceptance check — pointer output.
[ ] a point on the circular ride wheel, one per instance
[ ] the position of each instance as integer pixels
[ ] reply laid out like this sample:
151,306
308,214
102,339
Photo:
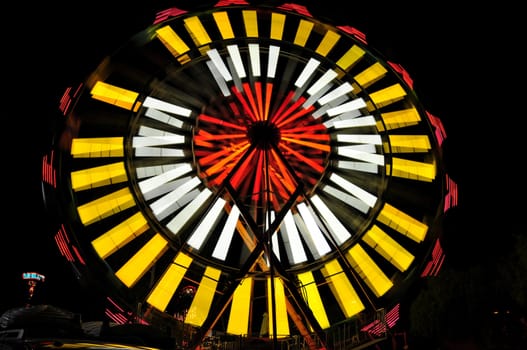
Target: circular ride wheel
246,160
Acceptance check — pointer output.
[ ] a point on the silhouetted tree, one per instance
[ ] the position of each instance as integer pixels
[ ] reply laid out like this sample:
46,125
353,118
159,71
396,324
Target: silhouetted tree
482,301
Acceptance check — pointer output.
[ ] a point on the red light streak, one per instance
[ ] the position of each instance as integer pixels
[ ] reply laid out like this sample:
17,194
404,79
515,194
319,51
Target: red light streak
244,104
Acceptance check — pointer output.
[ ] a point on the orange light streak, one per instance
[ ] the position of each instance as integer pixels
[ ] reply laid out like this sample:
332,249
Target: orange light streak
200,136
219,122
234,109
256,107
304,135
213,137
296,115
198,141
212,156
308,161
259,99
277,188
286,178
244,103
291,109
321,147
268,94
218,166
252,102
259,185
242,171
306,128
283,105
218,180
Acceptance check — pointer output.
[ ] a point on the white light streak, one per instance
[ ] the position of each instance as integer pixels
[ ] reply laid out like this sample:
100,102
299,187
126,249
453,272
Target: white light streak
177,223
254,55
234,53
347,107
292,242
162,204
219,79
274,53
337,230
335,93
163,117
309,69
202,232
323,81
315,239
166,106
355,190
222,247
219,64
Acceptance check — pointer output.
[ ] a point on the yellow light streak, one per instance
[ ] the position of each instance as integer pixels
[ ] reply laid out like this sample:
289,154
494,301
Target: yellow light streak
141,262
120,235
105,206
403,223
98,176
167,285
97,147
368,270
116,96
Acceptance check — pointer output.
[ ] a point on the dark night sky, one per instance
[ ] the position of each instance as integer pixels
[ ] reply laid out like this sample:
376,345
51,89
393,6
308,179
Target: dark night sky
462,61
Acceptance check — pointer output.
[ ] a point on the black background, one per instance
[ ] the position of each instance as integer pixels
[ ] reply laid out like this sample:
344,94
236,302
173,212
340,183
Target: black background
465,63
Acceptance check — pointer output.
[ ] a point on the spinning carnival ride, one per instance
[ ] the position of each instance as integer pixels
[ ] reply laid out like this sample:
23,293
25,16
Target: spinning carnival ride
254,159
